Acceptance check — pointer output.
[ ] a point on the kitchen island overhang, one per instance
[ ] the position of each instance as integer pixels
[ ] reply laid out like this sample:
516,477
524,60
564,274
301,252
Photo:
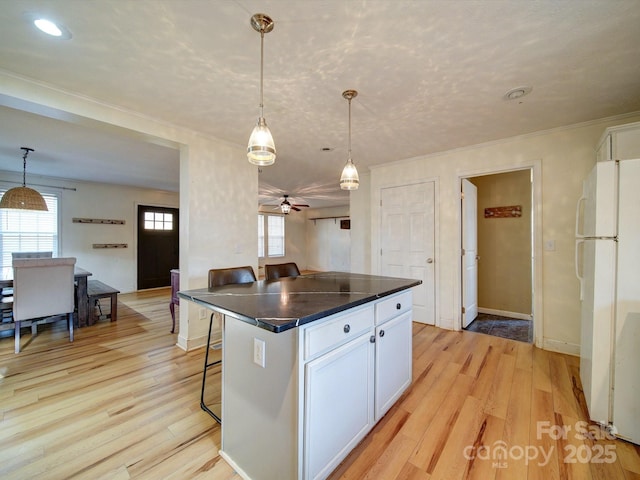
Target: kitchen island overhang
337,356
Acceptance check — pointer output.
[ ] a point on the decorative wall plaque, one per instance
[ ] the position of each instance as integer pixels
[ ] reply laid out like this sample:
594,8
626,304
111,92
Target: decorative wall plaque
503,212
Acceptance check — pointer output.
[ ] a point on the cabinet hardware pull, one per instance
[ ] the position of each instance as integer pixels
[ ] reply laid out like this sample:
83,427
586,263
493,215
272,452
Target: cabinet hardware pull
398,306
347,328
372,339
382,333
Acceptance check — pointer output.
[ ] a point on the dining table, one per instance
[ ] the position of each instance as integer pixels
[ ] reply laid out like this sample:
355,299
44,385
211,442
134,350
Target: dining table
80,276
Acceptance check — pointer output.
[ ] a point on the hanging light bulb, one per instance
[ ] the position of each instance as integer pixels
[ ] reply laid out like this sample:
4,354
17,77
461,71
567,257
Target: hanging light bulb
349,179
23,198
261,149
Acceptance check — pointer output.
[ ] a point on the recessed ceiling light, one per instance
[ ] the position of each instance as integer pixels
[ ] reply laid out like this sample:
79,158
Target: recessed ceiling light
516,93
49,27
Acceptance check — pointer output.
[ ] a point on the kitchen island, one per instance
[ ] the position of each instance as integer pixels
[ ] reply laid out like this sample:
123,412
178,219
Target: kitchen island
310,364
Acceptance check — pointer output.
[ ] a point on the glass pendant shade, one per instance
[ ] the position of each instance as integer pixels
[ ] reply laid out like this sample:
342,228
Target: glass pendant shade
349,179
23,198
261,149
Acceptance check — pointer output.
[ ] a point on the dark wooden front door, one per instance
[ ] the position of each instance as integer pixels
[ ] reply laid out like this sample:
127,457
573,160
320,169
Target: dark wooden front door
158,245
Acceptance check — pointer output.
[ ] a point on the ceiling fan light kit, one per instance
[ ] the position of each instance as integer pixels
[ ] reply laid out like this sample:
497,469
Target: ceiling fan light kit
349,179
261,149
23,198
286,206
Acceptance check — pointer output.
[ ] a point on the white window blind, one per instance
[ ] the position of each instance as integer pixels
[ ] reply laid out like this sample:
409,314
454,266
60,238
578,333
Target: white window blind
29,230
271,238
260,236
275,229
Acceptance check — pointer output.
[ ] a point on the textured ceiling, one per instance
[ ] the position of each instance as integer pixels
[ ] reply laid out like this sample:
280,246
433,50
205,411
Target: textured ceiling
431,77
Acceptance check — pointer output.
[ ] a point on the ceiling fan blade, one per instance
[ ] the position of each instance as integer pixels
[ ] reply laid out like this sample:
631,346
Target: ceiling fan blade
299,205
295,208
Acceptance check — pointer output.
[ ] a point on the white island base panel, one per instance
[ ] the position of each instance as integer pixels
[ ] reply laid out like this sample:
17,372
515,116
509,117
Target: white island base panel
322,389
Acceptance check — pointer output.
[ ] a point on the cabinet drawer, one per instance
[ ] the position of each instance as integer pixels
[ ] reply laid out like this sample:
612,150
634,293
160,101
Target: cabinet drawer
392,306
334,331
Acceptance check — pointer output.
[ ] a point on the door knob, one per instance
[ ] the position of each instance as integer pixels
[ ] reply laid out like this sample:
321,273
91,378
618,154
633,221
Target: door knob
429,260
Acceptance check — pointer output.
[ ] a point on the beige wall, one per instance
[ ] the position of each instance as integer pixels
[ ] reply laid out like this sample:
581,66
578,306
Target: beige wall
560,159
504,244
328,245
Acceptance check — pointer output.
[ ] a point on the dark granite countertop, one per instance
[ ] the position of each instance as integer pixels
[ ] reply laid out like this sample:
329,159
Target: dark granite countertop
278,305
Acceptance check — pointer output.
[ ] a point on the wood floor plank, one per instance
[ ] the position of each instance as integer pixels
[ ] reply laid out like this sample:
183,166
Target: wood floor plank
122,401
500,392
516,425
428,452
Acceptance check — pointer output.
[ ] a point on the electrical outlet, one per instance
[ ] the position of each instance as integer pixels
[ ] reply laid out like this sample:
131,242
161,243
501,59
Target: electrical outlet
202,313
258,352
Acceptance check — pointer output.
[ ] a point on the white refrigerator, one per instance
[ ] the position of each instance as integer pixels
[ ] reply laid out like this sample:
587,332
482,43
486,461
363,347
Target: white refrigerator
608,267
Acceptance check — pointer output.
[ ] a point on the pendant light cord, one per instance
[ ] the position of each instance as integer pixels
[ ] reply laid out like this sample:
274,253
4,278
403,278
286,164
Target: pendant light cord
349,129
261,71
24,165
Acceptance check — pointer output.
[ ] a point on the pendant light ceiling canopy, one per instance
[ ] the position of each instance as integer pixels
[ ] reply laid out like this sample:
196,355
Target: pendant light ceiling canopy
349,179
23,198
261,150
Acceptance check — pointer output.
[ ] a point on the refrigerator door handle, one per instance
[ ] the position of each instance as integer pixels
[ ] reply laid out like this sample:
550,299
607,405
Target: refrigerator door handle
579,204
577,262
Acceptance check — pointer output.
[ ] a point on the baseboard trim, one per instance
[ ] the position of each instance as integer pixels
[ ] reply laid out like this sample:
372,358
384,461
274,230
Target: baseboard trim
233,465
561,347
504,313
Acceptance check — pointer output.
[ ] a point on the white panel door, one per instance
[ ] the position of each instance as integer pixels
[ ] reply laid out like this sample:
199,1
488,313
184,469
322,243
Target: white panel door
408,242
469,252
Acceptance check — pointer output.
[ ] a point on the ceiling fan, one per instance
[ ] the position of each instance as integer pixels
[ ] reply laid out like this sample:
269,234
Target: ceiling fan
285,207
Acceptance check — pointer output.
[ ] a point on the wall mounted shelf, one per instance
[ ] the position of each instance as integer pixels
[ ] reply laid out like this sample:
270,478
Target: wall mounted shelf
101,221
328,218
110,245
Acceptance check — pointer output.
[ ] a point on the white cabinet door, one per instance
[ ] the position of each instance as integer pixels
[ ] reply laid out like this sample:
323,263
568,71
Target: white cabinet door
338,410
393,361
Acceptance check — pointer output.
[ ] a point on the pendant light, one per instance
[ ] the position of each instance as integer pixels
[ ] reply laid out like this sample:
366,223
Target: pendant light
23,198
261,150
349,179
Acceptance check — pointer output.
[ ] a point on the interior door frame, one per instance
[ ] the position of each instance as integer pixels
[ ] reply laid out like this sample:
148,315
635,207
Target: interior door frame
535,167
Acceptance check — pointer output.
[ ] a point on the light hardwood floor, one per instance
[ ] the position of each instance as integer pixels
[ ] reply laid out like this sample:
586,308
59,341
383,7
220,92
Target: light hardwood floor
122,401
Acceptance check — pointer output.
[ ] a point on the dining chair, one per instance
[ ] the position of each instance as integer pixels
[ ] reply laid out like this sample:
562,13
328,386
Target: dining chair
219,277
279,270
43,292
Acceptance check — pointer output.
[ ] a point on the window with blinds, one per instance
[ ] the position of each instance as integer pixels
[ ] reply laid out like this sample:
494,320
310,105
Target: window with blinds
270,235
29,230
